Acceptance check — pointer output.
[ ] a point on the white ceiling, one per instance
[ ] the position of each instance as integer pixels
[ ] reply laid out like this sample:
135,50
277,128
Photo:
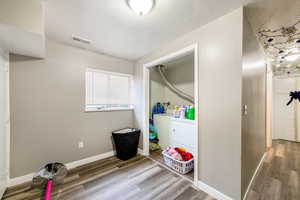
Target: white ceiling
115,30
272,14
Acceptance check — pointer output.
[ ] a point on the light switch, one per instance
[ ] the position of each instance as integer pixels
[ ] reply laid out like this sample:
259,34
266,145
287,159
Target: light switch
245,110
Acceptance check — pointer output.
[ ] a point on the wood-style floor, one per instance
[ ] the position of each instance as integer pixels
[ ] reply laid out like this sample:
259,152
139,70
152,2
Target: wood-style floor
157,156
112,179
279,176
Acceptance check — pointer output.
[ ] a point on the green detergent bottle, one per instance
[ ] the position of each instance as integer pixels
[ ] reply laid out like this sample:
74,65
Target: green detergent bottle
190,113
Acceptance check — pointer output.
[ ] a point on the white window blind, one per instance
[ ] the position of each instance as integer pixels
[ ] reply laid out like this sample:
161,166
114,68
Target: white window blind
107,90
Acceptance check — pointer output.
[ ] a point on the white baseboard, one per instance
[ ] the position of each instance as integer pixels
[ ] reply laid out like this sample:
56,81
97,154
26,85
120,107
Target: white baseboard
2,190
212,191
20,180
3,183
255,174
141,151
28,177
72,165
89,160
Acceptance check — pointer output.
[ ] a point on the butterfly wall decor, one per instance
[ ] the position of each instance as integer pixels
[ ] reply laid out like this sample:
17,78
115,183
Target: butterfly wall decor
294,96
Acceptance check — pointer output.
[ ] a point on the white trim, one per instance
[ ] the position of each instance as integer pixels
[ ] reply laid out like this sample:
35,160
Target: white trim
196,92
185,51
87,110
172,56
7,115
2,190
255,174
72,165
92,106
212,191
3,184
4,174
84,161
141,151
20,180
269,106
90,69
146,114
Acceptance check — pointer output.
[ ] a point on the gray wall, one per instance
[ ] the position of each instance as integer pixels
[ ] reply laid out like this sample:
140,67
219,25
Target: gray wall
181,74
22,27
220,74
254,96
47,108
27,15
157,88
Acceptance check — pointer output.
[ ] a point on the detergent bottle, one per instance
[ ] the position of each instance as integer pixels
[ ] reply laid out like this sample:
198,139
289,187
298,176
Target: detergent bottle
190,113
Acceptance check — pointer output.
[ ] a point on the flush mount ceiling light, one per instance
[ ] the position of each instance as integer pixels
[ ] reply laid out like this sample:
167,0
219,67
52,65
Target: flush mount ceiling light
141,7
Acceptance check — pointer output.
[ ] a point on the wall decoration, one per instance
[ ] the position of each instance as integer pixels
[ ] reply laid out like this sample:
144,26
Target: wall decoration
294,96
281,41
282,46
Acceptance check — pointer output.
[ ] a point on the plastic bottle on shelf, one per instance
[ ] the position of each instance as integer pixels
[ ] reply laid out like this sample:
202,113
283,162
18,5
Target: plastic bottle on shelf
182,112
190,113
187,112
176,112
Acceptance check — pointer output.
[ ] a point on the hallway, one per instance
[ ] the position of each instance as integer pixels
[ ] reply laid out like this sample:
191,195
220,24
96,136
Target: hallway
278,178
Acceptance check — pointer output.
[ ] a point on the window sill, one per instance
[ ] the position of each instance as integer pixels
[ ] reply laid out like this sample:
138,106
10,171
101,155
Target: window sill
108,109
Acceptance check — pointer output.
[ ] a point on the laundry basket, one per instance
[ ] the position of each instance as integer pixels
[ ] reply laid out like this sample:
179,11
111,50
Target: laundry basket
182,167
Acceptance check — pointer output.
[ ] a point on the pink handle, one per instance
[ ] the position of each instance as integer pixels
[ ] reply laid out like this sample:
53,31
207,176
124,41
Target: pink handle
48,190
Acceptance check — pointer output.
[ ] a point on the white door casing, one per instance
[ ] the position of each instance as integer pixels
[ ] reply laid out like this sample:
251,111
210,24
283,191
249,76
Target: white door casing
4,122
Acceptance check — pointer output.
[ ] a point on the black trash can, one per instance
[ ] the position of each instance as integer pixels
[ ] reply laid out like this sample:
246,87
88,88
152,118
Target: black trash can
126,142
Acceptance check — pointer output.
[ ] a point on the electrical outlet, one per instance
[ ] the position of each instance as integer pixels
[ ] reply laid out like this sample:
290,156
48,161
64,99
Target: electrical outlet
80,144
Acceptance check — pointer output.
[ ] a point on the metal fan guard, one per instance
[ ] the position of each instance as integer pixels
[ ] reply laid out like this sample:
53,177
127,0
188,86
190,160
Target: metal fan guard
55,171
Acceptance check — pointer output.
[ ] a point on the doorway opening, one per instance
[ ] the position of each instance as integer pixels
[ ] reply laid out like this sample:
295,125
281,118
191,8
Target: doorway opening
171,111
286,109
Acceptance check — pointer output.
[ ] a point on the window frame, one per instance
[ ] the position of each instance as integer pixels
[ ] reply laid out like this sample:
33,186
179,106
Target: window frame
108,107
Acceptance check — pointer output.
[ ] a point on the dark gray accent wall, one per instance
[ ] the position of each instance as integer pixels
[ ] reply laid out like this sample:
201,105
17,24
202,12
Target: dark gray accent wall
47,108
254,96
